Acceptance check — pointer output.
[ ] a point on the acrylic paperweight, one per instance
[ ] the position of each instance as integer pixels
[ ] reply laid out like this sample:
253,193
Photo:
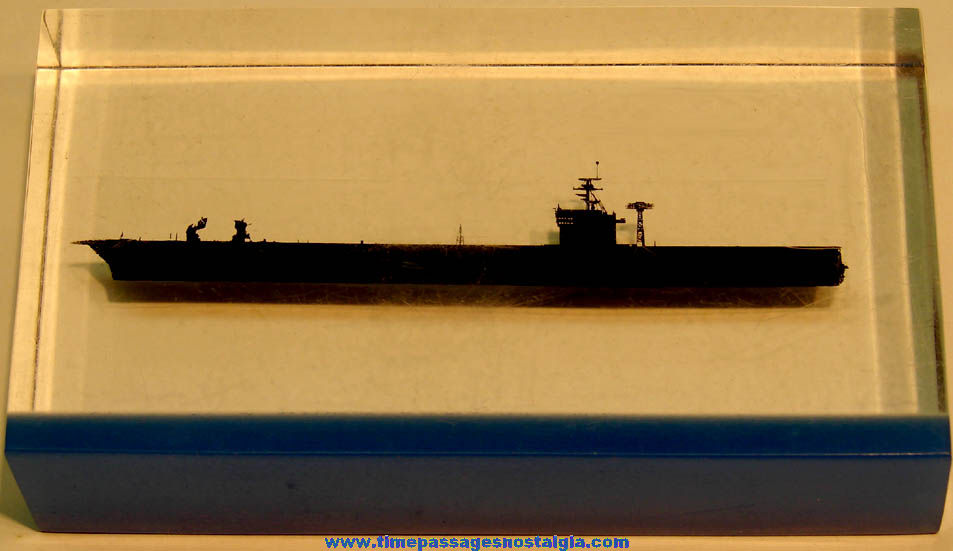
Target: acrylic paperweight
588,271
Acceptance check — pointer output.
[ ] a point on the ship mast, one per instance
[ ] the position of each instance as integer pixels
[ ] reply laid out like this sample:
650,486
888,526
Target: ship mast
640,207
587,189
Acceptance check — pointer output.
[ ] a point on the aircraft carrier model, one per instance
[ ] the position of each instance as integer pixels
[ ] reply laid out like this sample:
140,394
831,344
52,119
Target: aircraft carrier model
587,256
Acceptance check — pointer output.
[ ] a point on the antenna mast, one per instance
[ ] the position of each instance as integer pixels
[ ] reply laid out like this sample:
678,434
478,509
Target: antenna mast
587,189
640,207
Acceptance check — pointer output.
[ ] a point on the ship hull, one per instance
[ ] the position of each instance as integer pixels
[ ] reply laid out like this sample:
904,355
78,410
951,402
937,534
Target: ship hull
613,266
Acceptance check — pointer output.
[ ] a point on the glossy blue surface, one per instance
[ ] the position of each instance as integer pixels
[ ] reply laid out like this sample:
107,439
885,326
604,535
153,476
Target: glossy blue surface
580,475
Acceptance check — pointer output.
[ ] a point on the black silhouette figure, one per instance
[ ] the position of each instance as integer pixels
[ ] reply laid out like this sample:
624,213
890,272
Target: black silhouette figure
588,256
192,232
241,233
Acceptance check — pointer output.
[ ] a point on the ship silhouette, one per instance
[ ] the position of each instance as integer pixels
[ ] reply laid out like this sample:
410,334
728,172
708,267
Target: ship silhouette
587,255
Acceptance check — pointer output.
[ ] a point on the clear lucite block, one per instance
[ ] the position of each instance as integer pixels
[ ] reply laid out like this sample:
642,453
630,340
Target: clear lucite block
744,127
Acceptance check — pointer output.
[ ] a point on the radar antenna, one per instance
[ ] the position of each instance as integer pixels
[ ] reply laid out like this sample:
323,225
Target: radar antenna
640,207
587,189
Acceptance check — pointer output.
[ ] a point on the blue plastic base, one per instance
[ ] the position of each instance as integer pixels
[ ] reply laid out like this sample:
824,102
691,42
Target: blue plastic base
572,475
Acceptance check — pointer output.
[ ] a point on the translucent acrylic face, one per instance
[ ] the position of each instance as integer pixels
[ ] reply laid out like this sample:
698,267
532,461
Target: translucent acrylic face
765,140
